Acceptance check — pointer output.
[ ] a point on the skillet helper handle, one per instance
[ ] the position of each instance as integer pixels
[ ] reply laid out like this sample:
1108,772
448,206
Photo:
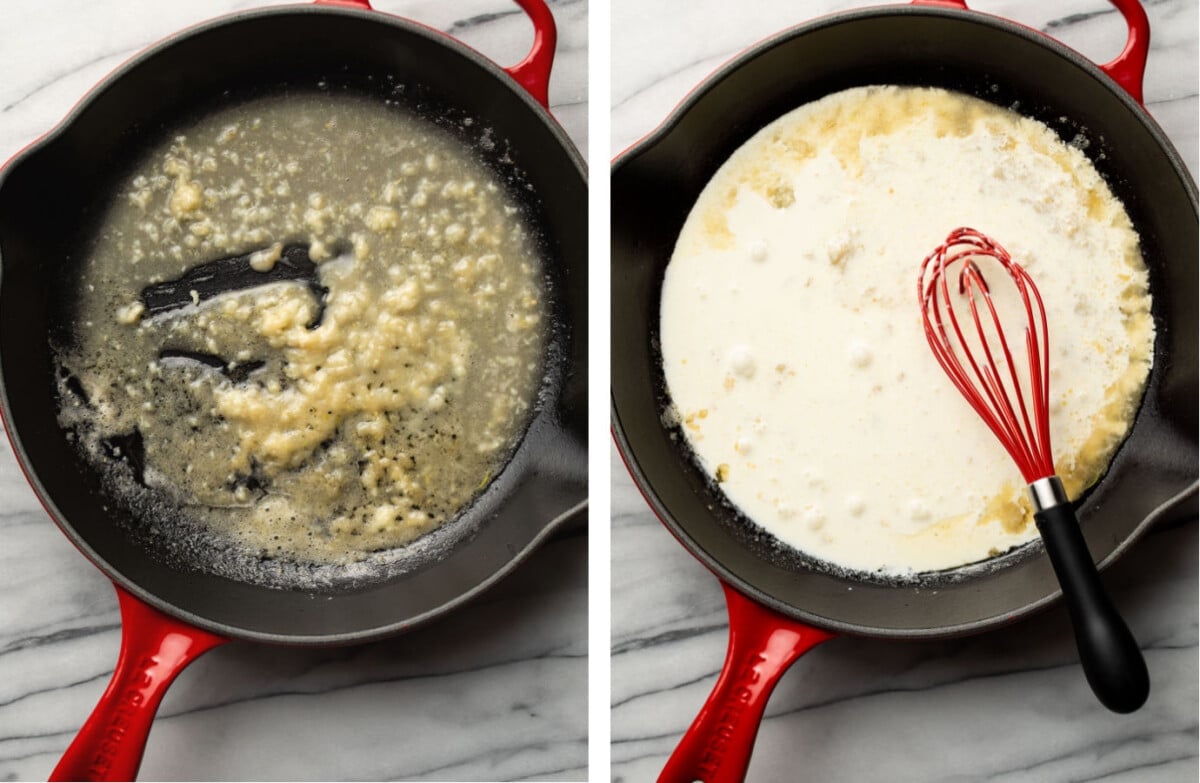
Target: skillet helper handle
533,73
762,645
1128,69
154,649
1112,661
364,5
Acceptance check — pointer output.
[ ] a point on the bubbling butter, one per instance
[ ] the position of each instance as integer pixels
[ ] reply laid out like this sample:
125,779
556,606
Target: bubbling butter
855,448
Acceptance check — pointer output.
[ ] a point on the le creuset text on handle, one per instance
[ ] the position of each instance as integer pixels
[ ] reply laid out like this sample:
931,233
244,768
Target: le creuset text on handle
533,72
1128,68
155,648
762,645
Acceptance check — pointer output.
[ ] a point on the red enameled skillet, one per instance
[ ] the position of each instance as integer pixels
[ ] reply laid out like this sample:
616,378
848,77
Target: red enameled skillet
780,603
170,615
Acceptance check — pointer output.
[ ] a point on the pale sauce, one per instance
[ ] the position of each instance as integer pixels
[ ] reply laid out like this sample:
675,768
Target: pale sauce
792,342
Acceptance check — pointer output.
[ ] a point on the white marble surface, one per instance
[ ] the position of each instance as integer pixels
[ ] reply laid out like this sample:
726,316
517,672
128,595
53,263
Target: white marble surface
1010,705
495,691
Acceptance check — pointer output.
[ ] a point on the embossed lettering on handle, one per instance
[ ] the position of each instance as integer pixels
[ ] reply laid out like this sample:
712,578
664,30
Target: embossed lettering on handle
762,645
731,712
154,649
122,718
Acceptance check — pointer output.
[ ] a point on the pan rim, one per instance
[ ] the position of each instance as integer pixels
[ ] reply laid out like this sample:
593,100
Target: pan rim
376,17
655,136
376,633
689,101
714,564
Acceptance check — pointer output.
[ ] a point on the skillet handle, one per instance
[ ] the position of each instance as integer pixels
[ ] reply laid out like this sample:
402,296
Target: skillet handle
1128,69
533,73
154,649
762,645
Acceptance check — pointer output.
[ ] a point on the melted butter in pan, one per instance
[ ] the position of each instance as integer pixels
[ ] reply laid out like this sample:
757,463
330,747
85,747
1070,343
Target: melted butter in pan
287,429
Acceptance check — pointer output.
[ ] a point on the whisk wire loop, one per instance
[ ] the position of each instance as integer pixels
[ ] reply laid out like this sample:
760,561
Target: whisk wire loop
1020,434
1019,419
1111,658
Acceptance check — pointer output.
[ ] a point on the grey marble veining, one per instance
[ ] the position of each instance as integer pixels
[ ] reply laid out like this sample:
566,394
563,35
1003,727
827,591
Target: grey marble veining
1010,705
494,691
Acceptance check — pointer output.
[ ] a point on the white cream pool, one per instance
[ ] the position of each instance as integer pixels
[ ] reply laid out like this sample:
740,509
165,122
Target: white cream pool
792,342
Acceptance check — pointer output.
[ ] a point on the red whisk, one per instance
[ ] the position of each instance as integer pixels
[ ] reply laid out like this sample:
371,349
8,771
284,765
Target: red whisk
1013,399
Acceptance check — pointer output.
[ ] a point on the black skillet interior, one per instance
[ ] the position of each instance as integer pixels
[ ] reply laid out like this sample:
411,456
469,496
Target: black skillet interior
50,196
655,185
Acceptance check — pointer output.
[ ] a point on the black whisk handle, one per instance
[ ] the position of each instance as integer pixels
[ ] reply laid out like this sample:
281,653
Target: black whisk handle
1111,658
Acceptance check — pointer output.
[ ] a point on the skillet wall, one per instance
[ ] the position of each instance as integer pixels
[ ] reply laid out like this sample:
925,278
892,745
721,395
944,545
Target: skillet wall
655,186
45,200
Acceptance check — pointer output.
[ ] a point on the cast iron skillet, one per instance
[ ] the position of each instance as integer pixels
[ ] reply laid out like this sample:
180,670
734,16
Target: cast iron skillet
780,603
48,194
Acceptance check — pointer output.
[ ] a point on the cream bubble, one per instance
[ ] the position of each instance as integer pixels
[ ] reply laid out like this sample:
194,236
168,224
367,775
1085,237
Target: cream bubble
918,511
814,518
741,361
860,353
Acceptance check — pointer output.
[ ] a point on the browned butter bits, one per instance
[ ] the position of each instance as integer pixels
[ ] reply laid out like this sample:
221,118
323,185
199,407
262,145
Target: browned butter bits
283,426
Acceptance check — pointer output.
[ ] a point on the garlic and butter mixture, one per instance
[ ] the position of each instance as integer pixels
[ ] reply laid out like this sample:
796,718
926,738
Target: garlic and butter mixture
792,339
318,421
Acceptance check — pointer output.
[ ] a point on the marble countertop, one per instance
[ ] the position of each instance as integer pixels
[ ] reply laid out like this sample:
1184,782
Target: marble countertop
494,691
1010,705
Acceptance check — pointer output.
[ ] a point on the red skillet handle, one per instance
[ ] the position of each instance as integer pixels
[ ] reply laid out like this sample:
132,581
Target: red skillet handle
762,645
1128,68
154,649
532,73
